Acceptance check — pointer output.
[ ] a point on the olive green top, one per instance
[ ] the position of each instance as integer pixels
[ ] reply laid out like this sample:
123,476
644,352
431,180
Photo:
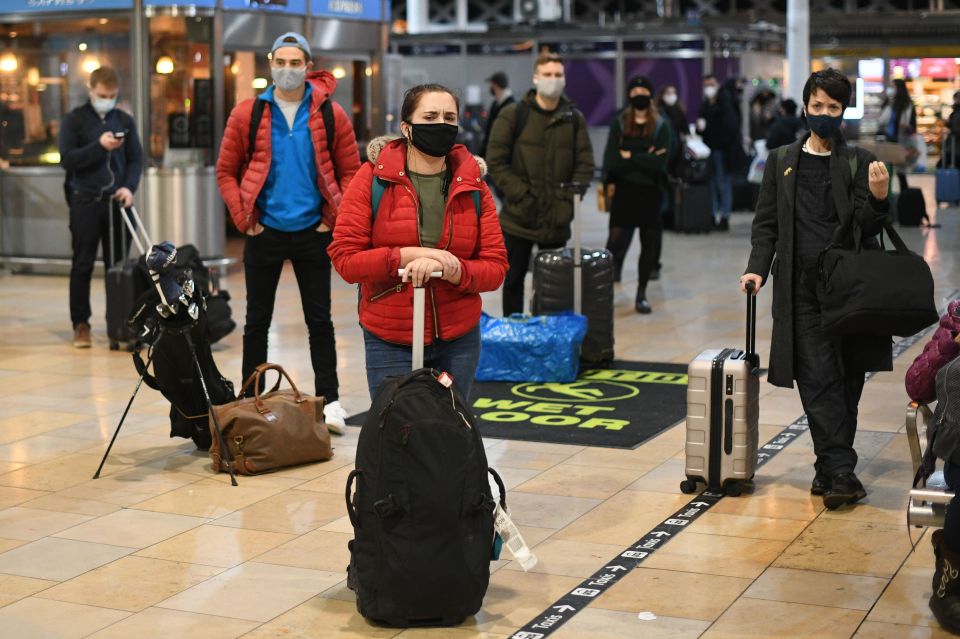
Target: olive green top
429,190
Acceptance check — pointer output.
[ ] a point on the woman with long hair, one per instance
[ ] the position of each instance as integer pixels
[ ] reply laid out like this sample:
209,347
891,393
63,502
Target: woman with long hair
902,125
635,164
420,205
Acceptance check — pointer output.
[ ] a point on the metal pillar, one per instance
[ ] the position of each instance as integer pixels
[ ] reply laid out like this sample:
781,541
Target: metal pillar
462,16
140,89
418,16
798,48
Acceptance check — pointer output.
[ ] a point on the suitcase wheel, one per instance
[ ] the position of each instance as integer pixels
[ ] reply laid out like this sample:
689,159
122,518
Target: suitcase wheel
688,486
733,489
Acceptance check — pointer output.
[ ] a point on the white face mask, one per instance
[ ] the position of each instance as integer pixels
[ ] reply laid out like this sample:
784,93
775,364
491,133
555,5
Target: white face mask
669,99
288,79
710,91
103,106
551,88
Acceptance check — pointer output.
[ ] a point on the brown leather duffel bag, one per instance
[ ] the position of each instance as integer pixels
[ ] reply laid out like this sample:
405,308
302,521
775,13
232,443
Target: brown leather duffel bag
278,429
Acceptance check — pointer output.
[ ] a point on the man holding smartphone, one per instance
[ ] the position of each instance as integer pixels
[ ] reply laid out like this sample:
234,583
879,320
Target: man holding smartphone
100,149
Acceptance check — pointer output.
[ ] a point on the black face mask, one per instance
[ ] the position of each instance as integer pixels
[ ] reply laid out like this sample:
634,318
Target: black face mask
434,140
640,102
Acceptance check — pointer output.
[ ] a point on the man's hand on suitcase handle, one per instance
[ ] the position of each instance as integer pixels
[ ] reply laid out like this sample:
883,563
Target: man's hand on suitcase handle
751,278
124,196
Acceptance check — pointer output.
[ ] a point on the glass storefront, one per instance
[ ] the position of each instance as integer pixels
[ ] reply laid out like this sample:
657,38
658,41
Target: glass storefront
44,66
181,92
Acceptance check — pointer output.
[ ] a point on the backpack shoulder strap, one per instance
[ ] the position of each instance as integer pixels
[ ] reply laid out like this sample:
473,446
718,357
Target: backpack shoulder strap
329,123
256,115
377,188
853,160
476,201
523,112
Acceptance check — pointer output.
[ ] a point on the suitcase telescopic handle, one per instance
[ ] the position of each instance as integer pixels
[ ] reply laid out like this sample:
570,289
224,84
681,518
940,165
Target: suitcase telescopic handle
751,350
137,230
419,314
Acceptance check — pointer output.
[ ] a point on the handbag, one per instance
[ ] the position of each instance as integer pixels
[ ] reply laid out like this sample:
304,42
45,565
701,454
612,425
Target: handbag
874,292
605,197
265,432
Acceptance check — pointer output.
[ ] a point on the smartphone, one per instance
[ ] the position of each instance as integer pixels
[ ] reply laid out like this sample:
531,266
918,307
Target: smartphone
119,134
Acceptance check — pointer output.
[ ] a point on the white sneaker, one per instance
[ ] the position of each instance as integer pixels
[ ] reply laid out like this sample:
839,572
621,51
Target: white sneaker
335,417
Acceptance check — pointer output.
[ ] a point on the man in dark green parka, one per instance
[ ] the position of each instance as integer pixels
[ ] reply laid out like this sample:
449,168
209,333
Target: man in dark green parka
534,147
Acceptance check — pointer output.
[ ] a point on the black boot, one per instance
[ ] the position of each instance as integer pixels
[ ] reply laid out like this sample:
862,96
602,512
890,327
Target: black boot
643,306
945,600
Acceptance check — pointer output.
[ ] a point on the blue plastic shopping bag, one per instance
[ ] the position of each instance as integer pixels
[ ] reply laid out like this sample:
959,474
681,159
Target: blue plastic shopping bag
524,348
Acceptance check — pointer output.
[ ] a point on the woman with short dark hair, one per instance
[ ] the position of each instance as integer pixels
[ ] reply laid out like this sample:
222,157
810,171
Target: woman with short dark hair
810,188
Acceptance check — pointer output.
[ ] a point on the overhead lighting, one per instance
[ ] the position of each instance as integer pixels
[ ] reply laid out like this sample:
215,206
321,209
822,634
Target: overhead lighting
8,63
165,65
235,68
13,34
197,57
33,76
90,64
339,73
368,72
259,83
104,20
82,46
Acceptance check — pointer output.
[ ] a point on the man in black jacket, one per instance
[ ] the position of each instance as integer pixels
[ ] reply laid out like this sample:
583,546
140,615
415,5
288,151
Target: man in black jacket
101,152
784,129
502,96
719,122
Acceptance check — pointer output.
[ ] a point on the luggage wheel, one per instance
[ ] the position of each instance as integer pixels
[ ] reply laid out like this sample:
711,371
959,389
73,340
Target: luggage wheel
733,489
688,486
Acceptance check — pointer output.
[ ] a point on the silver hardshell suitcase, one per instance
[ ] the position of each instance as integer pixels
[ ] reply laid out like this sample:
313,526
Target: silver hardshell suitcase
723,415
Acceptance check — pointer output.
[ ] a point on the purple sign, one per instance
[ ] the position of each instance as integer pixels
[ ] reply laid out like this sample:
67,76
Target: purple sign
592,86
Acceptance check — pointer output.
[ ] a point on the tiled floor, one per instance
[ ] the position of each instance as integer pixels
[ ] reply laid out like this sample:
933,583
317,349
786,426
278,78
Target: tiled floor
159,547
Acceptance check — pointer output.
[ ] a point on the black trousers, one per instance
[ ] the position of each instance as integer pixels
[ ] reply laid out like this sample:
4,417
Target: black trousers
830,394
90,220
263,258
519,251
636,207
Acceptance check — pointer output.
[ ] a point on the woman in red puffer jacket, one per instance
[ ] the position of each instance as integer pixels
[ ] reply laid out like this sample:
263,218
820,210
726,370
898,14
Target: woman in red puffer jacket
429,219
942,348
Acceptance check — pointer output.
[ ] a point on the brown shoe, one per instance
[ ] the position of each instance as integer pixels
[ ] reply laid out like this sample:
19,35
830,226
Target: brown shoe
81,336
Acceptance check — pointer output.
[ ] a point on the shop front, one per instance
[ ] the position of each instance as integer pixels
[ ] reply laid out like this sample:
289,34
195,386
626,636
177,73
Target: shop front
932,76
182,68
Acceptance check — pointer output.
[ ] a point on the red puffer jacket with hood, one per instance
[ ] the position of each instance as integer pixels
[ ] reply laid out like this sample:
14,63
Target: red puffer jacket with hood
921,380
240,183
367,252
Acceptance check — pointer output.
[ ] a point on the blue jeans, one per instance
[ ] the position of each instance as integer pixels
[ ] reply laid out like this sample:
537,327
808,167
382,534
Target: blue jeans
721,185
458,357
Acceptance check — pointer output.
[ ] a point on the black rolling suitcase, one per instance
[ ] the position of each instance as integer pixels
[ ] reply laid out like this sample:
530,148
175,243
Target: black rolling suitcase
126,282
423,511
693,209
555,277
911,208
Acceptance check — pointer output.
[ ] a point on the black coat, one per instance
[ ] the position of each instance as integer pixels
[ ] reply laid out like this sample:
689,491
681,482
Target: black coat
495,110
773,236
783,131
90,168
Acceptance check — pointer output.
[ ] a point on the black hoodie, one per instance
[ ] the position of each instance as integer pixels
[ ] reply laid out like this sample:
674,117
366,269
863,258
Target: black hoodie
91,169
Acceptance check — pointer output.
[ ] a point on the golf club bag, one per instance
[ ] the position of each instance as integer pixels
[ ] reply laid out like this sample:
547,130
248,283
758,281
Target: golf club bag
168,325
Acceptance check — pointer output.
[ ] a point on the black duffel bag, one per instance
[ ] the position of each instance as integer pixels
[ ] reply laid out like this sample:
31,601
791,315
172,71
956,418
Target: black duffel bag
874,292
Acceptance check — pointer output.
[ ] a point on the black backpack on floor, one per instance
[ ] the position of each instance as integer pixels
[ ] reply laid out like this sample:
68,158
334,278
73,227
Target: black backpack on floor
174,373
423,510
